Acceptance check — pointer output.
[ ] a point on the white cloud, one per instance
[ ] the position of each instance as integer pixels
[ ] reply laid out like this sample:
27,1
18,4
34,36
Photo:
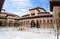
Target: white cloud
18,7
23,3
21,12
19,0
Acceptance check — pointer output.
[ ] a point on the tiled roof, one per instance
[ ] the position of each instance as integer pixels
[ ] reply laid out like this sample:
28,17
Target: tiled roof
9,14
37,8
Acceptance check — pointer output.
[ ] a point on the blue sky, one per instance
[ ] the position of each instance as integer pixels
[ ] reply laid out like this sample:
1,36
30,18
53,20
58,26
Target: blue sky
21,7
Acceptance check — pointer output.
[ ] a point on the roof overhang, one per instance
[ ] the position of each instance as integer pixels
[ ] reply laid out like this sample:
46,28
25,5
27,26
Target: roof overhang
1,4
31,17
54,3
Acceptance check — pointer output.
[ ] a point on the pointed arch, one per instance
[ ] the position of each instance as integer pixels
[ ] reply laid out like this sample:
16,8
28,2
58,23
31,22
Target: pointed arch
32,23
37,24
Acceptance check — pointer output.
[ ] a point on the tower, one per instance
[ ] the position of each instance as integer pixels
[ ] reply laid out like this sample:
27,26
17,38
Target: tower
1,4
55,8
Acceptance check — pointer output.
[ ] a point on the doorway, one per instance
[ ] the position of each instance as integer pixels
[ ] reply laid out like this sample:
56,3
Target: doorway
32,23
37,24
0,23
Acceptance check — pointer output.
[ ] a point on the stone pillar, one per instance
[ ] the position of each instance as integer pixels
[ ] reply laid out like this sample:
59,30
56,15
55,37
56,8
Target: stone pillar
29,24
7,22
56,11
13,23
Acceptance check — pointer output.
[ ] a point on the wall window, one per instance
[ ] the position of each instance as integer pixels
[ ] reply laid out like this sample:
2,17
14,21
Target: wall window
32,14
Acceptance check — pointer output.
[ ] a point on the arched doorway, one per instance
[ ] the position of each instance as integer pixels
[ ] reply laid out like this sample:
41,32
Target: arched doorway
10,23
32,24
37,24
0,23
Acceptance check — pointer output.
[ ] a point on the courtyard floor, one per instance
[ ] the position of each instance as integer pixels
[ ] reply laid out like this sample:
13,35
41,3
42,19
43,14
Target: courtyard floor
25,35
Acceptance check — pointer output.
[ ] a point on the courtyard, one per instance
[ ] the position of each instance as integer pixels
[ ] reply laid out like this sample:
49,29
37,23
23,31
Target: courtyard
12,33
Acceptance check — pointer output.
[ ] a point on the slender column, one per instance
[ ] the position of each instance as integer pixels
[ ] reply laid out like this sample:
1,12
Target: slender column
7,22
